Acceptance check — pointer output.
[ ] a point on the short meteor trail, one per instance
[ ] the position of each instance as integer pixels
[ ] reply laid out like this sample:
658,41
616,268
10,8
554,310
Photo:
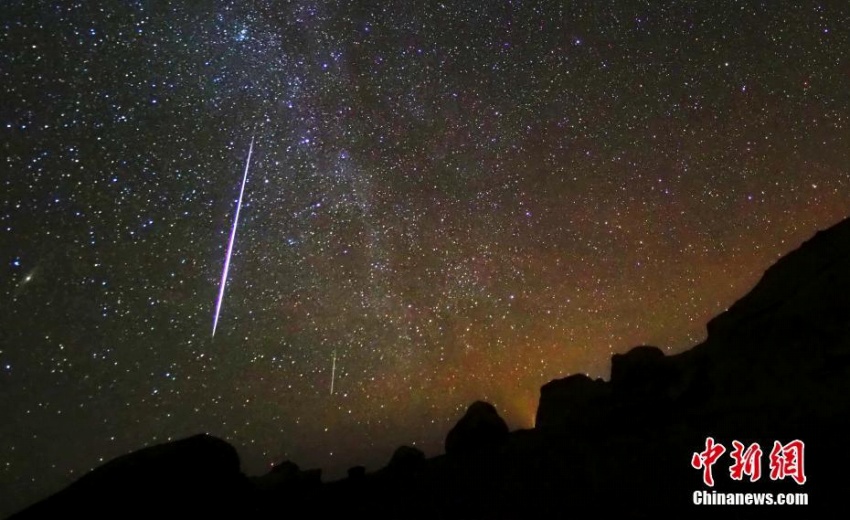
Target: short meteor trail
333,373
232,239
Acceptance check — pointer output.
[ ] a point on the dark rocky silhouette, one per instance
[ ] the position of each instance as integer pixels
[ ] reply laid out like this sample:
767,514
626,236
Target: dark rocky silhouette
194,477
282,474
284,483
479,428
640,369
406,459
775,366
356,472
573,403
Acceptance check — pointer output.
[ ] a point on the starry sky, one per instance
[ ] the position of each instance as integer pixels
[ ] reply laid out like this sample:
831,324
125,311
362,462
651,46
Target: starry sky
455,200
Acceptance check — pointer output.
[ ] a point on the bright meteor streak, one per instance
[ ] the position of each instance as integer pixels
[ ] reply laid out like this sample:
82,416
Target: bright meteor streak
232,239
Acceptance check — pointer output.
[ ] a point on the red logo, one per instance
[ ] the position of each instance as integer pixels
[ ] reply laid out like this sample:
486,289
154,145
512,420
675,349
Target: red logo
706,459
746,462
785,461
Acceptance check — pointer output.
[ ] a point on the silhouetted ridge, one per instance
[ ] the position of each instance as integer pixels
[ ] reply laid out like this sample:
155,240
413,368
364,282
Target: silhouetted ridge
810,283
198,475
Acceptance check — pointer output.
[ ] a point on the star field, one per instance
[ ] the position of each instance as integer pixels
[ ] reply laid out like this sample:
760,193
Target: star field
460,201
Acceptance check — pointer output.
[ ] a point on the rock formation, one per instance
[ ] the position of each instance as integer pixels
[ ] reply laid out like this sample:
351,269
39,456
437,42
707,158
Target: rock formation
479,428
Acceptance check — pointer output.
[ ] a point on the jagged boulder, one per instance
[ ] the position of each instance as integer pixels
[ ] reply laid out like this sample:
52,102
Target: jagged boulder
644,373
480,428
406,459
637,368
645,384
572,402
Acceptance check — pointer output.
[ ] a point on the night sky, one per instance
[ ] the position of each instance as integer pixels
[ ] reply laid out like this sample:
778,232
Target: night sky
457,200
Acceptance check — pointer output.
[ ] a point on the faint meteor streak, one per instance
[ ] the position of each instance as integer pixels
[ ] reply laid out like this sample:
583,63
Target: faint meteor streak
333,373
232,239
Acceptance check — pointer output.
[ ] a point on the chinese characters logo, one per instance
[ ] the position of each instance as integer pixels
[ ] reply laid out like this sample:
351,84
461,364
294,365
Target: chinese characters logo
786,460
